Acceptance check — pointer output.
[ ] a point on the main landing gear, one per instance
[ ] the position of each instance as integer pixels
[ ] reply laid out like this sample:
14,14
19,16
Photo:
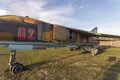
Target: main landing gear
94,51
15,67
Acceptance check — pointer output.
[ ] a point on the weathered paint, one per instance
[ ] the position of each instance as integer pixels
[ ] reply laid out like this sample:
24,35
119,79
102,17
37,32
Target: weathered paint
6,36
18,28
42,31
17,31
83,39
30,20
60,33
78,38
12,18
45,32
72,37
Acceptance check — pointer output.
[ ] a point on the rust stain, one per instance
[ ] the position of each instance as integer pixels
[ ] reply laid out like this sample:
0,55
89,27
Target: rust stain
6,36
60,33
78,38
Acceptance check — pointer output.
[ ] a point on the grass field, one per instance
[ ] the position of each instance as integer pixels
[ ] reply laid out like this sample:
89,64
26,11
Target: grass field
59,64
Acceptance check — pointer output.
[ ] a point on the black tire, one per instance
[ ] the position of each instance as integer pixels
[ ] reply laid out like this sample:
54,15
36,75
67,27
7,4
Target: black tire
18,67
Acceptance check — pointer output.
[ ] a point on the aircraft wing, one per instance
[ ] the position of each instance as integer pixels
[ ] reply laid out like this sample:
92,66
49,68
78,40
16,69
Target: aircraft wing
83,32
21,45
108,35
28,44
92,34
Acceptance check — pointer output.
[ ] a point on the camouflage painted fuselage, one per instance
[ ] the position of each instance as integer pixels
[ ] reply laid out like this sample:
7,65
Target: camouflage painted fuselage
17,28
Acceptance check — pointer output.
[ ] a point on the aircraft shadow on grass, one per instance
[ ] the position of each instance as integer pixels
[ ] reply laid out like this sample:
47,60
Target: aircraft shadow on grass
38,64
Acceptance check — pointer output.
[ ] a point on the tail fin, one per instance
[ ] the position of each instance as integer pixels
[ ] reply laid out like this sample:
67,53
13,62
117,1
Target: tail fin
95,30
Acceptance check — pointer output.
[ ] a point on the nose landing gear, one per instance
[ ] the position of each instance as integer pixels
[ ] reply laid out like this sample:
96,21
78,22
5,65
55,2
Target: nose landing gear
15,67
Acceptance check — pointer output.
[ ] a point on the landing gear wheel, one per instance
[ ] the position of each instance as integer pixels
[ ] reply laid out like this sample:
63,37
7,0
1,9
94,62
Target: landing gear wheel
17,67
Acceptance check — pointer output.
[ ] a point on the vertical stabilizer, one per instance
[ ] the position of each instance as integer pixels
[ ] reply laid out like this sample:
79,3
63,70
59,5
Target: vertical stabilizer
95,30
94,39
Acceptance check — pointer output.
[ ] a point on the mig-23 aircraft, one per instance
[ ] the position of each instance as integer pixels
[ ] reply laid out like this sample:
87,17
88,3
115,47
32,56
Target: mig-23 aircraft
24,33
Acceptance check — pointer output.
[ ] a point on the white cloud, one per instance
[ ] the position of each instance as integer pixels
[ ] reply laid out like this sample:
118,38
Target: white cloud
111,28
30,8
37,9
81,7
3,12
110,31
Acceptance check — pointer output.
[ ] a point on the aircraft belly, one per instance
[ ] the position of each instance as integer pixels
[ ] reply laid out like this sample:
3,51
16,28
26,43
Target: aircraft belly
20,47
24,47
3,46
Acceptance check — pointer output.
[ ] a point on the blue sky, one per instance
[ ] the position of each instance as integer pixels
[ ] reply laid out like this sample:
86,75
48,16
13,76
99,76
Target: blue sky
81,14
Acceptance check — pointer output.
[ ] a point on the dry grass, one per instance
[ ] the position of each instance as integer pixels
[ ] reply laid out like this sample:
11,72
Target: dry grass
60,64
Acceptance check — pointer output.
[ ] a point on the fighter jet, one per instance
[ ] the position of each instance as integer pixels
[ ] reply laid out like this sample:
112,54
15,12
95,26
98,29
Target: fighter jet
25,33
